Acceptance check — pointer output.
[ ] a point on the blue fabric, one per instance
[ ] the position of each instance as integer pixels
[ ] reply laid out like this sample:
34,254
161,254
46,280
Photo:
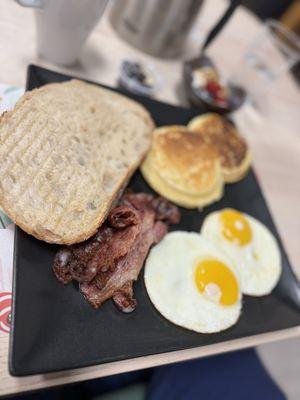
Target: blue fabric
103,385
232,376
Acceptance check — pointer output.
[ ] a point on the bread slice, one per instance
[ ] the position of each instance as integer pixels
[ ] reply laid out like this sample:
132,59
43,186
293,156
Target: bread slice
66,151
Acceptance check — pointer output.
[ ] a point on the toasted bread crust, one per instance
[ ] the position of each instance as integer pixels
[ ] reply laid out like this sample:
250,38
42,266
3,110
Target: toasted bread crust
90,136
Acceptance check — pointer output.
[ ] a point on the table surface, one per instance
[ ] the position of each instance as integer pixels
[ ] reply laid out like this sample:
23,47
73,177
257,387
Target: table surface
274,139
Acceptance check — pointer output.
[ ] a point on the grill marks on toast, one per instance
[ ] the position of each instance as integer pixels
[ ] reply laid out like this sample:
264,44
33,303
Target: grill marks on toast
66,150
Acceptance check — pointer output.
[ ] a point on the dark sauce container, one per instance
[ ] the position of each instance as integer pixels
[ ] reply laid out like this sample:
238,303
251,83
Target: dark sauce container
200,97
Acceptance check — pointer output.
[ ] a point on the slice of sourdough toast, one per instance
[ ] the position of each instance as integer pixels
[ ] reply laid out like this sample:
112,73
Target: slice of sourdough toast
66,150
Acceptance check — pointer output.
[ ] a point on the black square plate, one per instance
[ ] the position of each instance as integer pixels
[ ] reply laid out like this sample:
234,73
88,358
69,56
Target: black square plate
54,328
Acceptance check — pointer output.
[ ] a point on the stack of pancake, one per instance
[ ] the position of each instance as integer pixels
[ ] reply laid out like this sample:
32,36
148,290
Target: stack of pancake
235,156
190,164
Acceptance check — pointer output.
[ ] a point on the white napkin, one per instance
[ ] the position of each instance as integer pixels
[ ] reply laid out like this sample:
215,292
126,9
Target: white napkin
8,97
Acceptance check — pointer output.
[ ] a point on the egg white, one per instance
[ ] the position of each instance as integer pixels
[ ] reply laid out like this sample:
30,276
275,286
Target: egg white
170,283
258,263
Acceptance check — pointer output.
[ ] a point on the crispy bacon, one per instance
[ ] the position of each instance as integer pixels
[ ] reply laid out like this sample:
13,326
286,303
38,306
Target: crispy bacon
107,264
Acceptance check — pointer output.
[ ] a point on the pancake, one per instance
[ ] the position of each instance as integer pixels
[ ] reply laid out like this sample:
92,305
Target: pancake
178,197
185,161
233,151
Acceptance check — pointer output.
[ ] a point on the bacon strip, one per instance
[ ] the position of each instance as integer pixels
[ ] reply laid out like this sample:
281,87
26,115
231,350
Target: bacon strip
107,264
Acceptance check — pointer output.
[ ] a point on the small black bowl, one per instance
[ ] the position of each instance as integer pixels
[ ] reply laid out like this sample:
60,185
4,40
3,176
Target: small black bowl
199,97
133,77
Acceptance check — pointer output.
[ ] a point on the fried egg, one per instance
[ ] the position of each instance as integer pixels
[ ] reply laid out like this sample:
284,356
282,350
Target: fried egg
251,247
192,283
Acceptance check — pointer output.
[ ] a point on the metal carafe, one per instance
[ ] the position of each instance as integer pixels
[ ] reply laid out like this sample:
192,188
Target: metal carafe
157,27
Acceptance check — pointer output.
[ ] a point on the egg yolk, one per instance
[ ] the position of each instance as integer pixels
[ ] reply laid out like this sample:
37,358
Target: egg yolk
217,281
235,227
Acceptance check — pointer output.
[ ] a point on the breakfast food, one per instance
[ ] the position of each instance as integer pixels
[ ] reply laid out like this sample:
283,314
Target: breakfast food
137,79
207,83
107,264
66,150
189,165
192,283
205,87
251,247
182,167
232,148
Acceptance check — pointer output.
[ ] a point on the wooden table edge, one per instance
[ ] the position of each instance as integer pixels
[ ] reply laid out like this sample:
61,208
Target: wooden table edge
117,367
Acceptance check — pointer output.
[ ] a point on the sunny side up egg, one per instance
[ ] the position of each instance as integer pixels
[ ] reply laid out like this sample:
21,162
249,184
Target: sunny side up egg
192,283
251,247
